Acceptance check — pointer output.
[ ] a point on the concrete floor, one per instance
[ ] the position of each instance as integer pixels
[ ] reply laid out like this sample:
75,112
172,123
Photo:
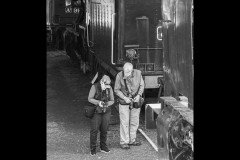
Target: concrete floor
67,128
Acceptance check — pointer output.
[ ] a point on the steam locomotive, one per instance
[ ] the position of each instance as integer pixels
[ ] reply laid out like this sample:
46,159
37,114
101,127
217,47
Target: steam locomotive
156,36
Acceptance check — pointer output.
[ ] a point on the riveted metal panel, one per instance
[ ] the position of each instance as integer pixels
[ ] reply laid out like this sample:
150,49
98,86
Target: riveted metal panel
101,17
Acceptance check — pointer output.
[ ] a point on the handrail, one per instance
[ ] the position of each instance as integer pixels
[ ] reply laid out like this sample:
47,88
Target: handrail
112,34
87,29
158,34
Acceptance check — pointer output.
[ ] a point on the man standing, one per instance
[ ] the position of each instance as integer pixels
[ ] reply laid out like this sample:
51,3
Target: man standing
129,86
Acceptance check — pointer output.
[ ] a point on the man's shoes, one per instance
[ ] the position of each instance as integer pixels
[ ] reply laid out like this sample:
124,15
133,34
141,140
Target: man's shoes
93,152
104,149
136,143
125,146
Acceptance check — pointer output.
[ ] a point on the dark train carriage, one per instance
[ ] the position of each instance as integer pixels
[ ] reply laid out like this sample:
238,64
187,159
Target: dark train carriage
121,31
174,123
177,27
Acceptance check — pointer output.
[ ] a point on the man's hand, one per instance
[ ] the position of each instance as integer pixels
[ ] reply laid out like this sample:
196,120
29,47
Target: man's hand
101,103
136,99
127,100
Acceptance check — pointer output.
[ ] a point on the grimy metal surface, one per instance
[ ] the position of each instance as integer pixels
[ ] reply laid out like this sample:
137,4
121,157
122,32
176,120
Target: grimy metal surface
117,24
177,48
175,130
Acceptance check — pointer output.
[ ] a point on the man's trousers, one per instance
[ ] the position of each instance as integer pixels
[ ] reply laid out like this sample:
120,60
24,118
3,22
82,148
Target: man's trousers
125,126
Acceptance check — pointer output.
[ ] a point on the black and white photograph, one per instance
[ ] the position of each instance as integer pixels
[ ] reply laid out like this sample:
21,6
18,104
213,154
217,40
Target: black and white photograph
119,79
